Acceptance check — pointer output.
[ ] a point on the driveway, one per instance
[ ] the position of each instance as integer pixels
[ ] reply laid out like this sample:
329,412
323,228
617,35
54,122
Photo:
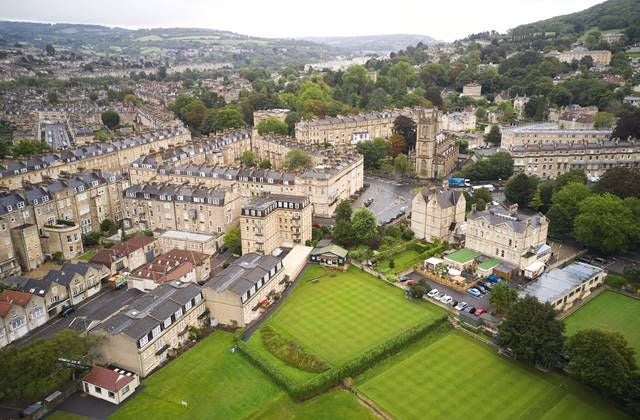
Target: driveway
482,301
97,308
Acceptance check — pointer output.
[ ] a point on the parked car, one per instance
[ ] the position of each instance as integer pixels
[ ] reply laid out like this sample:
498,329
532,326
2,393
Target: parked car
67,311
454,303
481,289
488,285
446,299
479,311
494,279
433,293
474,292
460,306
369,201
411,282
471,310
403,278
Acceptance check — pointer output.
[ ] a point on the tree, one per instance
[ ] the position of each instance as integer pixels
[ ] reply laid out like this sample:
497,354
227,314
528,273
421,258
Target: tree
496,167
343,212
52,97
272,125
603,360
628,124
494,137
433,95
532,332
297,158
621,181
503,297
265,164
520,189
108,225
606,224
110,118
373,151
364,226
401,164
397,145
29,147
248,158
343,233
565,208
536,108
218,120
50,49
233,241
407,128
194,114
416,291
45,373
574,175
603,120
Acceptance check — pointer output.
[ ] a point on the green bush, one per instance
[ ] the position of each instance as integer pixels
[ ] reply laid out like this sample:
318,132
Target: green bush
354,367
615,281
290,352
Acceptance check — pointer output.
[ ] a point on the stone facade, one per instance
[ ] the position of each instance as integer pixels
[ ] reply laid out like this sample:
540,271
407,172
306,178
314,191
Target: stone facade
437,214
273,220
547,161
548,133
507,234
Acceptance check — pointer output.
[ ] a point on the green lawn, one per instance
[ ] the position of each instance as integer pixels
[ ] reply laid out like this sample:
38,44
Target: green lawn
338,318
403,261
610,311
463,256
332,405
87,255
213,381
456,377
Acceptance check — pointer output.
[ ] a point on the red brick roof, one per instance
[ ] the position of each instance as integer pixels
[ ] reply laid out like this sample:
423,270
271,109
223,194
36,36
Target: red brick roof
107,256
107,378
4,308
15,297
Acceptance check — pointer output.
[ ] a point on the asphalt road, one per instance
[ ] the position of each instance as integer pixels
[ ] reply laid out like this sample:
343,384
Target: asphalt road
482,301
389,197
97,308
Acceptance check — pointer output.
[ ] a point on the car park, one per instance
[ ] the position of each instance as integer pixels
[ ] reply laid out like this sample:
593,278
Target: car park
474,292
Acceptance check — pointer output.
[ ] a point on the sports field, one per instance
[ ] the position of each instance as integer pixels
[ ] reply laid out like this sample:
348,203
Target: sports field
338,316
453,376
213,381
610,311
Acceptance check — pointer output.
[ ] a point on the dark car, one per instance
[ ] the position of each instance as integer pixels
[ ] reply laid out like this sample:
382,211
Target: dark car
481,288
67,311
471,310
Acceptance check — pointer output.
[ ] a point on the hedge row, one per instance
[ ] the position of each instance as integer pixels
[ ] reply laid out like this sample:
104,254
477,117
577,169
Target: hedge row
354,367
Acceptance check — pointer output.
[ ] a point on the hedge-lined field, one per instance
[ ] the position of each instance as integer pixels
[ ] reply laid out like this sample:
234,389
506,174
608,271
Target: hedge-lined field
341,315
456,377
610,311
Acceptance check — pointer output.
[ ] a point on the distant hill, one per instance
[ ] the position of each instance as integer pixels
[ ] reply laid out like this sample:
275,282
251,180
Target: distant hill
218,45
610,15
373,43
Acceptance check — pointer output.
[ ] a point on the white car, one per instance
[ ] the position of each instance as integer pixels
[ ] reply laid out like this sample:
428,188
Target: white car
460,306
432,293
446,299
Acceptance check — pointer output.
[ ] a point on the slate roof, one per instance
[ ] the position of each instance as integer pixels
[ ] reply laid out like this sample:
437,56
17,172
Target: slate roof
243,273
498,215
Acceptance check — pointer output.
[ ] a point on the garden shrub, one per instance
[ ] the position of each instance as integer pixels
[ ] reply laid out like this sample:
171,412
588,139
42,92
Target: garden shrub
291,352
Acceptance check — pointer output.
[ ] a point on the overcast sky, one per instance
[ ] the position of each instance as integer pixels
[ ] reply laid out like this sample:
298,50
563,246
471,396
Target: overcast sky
443,19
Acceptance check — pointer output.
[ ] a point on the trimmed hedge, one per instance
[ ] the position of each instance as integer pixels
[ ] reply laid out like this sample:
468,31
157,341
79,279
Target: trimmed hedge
291,352
352,368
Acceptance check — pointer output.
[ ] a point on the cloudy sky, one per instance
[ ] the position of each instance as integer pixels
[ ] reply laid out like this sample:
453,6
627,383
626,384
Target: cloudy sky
443,19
